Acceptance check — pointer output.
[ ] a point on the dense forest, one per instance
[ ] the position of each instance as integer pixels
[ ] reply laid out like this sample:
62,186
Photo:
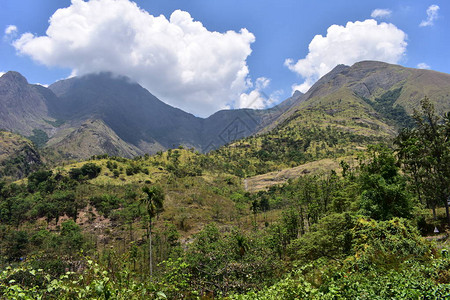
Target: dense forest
181,225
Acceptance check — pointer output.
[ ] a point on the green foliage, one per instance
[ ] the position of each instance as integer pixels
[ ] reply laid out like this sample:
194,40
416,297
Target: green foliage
16,244
330,238
153,200
56,123
236,261
386,107
88,170
383,189
175,278
40,180
425,154
72,238
105,203
94,283
385,244
386,260
39,138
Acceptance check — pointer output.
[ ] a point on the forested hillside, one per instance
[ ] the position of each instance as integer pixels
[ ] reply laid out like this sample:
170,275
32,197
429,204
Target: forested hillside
361,229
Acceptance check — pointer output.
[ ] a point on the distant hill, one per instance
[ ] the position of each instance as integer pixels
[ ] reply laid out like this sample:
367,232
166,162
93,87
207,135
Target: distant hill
368,101
141,119
370,83
52,117
347,109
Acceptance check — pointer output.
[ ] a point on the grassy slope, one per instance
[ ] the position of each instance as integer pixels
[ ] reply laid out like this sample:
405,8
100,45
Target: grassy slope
319,167
343,112
421,83
191,201
336,125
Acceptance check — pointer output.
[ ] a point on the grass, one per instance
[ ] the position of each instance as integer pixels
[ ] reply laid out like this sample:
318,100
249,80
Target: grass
323,166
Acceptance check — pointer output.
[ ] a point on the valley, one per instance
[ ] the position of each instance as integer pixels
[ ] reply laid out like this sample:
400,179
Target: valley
106,192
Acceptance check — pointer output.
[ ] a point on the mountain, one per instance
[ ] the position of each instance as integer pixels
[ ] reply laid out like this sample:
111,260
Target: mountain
368,101
129,117
142,120
341,114
129,110
18,156
23,108
368,84
92,137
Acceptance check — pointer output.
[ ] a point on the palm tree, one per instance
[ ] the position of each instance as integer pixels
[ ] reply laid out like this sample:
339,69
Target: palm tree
153,200
242,243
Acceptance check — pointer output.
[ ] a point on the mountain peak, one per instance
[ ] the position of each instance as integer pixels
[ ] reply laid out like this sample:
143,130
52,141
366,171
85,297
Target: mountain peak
14,76
370,64
297,94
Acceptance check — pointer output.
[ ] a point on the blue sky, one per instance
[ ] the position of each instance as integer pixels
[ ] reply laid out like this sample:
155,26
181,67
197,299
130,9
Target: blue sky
203,56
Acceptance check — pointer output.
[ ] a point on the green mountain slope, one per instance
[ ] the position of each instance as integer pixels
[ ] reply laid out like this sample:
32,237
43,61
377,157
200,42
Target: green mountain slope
372,80
340,115
18,156
346,109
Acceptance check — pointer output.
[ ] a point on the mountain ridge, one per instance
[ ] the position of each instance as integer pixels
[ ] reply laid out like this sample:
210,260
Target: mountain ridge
358,99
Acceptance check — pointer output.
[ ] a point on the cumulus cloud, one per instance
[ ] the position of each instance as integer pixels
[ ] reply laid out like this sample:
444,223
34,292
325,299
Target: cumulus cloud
10,29
177,59
348,44
432,14
1,73
423,66
381,13
257,99
10,33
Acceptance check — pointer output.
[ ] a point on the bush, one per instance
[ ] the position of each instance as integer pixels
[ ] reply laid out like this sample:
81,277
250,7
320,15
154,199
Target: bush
89,170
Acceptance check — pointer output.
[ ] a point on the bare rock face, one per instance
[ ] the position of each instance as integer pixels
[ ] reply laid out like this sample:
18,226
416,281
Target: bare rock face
93,137
22,107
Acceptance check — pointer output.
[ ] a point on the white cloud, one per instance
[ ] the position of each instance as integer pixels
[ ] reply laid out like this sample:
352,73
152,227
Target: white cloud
257,99
423,66
10,33
262,83
347,45
177,59
381,13
432,14
42,84
303,87
2,73
10,29
254,99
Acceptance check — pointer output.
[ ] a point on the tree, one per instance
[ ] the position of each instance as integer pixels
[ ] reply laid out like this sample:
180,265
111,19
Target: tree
383,189
424,152
153,201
